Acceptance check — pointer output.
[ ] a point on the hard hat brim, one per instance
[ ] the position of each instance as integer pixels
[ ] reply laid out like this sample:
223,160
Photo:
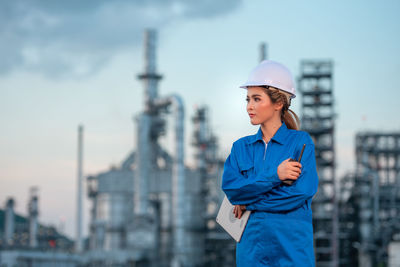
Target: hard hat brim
244,86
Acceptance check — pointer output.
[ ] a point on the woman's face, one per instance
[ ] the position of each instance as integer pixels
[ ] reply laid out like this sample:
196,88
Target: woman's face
260,107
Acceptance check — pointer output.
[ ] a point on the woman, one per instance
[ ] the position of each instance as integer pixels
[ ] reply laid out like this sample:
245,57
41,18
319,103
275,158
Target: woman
259,175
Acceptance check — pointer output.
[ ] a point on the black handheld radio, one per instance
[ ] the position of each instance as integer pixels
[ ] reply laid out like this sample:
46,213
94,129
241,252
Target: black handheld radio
290,181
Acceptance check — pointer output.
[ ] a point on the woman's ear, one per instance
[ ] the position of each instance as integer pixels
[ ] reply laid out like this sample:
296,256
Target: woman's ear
278,106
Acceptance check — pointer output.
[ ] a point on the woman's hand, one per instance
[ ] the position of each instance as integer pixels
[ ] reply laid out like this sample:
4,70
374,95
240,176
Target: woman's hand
238,210
289,170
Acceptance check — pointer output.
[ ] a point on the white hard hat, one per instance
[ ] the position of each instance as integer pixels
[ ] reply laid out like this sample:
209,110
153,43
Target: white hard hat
271,73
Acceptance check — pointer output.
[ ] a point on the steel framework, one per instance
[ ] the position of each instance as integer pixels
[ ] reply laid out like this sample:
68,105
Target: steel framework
318,119
371,201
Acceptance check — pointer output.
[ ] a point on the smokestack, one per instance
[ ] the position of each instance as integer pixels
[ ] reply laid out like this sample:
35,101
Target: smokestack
263,51
78,246
33,211
9,222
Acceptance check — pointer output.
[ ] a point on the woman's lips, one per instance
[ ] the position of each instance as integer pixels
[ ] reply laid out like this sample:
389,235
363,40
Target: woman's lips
251,115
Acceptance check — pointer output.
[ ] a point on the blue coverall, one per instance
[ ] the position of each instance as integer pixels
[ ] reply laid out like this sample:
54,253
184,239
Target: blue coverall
279,231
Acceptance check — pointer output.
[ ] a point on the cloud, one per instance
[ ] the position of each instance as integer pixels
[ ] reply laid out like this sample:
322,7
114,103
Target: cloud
77,38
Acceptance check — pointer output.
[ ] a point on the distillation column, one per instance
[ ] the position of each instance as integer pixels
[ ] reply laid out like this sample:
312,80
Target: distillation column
33,211
146,140
150,128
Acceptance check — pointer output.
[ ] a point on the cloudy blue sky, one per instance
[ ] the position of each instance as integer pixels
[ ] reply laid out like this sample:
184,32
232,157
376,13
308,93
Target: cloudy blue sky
69,62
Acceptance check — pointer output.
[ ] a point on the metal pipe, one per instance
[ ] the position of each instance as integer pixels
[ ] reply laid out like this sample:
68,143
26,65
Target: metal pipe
375,213
178,178
78,246
9,225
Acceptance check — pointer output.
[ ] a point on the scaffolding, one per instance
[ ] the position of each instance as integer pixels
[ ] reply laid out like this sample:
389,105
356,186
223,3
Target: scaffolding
219,247
318,117
348,222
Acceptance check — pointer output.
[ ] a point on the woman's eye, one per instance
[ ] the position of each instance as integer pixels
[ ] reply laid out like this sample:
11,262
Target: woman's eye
256,99
247,100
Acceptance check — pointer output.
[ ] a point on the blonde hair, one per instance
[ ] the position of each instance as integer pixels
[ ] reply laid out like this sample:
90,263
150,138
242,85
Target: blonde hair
287,115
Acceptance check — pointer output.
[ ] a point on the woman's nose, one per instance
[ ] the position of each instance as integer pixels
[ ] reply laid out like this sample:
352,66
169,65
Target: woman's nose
249,106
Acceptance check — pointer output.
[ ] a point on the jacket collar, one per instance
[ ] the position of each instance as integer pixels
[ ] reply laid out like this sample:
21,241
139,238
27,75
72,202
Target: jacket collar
279,137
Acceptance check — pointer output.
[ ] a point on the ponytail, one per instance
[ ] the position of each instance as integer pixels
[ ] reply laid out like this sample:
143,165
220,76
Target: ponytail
290,119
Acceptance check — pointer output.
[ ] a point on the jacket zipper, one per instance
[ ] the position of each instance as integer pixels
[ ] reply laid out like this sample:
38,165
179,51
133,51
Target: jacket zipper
265,150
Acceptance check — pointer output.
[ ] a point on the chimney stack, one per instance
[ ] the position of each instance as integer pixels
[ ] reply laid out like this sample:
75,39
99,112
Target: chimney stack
78,246
9,225
263,51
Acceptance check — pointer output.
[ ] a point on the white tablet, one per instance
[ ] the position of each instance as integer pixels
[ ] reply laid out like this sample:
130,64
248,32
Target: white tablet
229,222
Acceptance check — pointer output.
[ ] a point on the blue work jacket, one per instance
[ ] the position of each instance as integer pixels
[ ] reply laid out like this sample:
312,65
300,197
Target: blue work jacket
279,231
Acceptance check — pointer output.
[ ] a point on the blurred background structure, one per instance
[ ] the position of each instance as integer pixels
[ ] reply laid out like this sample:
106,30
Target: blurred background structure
152,210
149,197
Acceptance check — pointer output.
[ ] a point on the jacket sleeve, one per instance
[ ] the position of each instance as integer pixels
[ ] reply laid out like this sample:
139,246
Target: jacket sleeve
241,189
285,198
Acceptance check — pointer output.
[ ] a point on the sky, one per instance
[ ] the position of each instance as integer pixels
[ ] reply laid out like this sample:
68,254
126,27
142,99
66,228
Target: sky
65,63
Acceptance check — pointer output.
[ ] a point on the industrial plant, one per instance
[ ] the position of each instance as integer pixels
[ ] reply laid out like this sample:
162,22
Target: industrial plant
153,210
